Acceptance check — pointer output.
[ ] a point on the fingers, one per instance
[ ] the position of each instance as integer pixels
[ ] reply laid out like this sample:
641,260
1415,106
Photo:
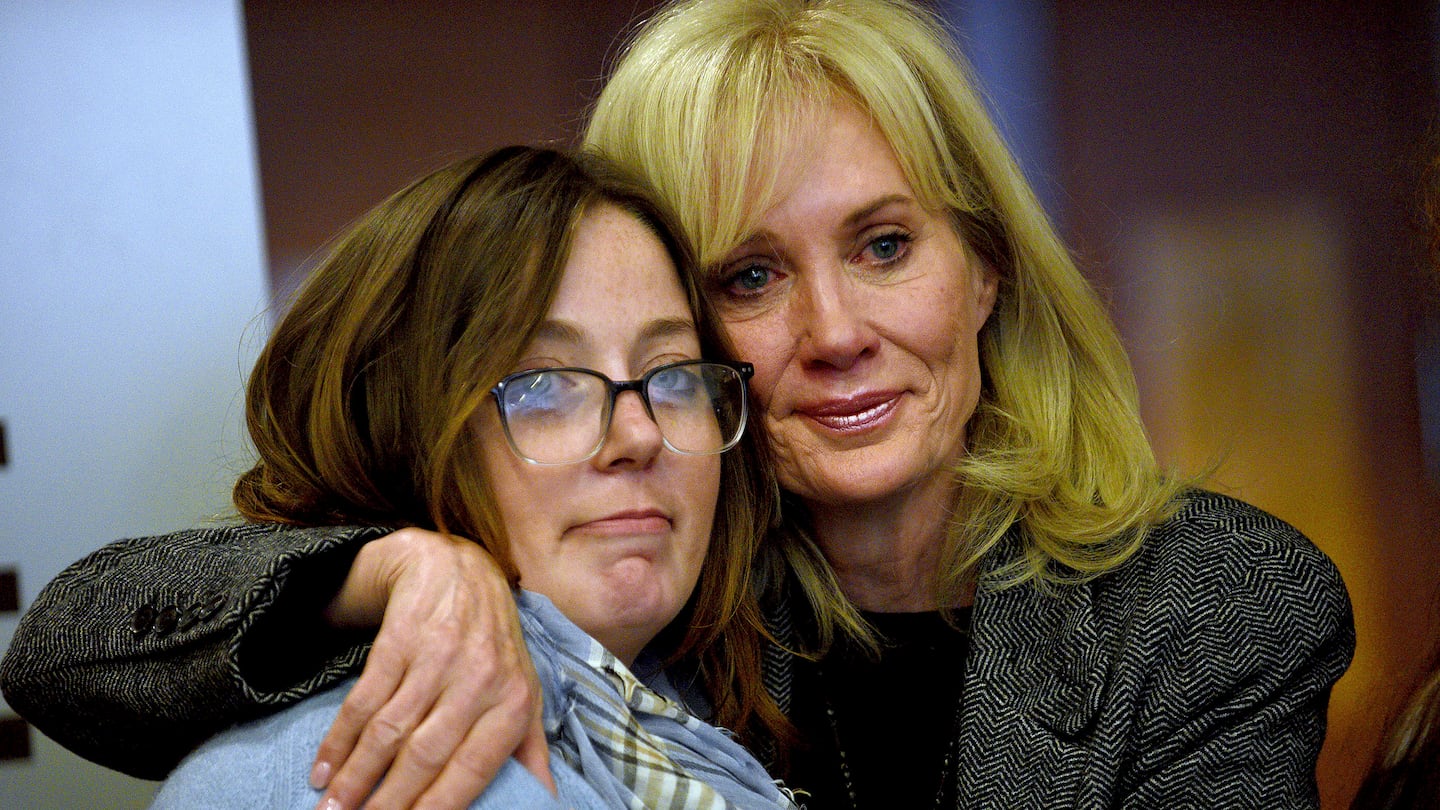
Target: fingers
369,695
448,692
534,753
385,732
466,764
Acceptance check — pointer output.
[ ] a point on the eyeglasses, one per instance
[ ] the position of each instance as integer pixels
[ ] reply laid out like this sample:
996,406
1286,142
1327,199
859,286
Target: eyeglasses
562,415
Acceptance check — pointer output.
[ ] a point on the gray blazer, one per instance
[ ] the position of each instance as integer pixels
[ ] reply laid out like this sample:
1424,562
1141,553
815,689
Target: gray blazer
1196,675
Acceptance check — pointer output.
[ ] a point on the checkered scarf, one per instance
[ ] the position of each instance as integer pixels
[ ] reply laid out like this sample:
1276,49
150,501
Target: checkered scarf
637,747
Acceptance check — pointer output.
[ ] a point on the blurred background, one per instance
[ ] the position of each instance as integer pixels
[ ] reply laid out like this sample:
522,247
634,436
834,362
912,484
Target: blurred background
1241,181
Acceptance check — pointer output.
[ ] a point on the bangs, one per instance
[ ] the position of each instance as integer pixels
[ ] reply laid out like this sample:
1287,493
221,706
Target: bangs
765,122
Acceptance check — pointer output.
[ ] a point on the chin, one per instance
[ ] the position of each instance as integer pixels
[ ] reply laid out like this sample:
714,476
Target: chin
851,481
636,607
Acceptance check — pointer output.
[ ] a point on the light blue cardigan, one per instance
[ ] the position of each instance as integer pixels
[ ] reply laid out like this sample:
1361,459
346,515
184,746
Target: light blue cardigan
266,763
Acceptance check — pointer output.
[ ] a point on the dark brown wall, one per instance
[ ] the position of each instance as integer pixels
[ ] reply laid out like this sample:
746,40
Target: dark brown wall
354,99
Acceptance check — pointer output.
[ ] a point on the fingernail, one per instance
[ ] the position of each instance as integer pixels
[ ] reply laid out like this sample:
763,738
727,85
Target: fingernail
331,803
319,778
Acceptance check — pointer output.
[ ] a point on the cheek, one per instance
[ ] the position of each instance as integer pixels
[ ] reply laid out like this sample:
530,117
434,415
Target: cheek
531,534
941,322
701,485
761,342
940,334
513,486
953,354
706,486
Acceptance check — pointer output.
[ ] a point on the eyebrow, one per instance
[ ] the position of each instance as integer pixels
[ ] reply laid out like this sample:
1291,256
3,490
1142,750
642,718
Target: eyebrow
565,332
851,220
862,213
557,332
661,328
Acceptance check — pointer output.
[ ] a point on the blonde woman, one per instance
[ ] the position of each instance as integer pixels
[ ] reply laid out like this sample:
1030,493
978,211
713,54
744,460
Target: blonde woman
985,592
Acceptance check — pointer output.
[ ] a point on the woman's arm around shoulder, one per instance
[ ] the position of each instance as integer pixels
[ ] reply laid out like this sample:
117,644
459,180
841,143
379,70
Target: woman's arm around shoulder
134,654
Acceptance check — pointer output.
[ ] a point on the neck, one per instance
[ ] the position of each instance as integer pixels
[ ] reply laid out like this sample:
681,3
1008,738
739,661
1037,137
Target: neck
625,642
887,554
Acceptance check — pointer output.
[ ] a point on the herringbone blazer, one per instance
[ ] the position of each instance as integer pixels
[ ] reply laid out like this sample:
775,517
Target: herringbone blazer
1196,675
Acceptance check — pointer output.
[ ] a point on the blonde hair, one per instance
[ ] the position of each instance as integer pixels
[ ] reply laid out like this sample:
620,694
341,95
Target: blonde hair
701,104
362,404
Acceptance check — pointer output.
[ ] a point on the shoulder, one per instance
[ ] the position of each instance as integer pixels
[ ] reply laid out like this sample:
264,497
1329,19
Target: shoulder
1214,553
263,763
1220,587
1225,589
1212,522
1222,548
514,786
266,763
1195,672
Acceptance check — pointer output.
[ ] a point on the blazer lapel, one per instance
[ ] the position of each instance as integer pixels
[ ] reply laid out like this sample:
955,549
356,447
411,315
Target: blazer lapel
1036,681
1070,677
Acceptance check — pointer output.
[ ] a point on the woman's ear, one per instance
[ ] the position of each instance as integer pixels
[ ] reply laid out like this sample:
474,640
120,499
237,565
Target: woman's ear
986,289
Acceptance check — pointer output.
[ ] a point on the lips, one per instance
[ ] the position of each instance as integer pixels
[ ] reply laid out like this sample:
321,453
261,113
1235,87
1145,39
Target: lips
627,523
853,414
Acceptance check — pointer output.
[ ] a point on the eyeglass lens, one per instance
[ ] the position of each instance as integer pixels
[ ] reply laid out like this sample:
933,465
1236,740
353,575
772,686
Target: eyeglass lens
558,416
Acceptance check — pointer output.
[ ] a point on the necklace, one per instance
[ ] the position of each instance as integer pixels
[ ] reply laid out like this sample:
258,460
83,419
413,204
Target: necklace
949,774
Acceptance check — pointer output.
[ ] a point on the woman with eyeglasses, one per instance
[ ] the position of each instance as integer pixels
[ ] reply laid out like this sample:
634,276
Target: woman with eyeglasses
513,349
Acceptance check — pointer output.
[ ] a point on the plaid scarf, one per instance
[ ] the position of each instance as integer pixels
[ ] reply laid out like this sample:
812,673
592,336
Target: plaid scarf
635,743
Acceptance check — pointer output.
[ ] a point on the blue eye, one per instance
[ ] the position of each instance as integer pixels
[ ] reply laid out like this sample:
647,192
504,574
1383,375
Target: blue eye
750,278
552,392
674,386
887,248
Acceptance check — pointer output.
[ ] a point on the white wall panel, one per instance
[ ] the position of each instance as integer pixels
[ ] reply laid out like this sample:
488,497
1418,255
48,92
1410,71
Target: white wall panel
132,295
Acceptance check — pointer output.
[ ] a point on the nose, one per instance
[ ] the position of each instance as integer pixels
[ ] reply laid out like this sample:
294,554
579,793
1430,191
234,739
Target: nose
633,440
834,330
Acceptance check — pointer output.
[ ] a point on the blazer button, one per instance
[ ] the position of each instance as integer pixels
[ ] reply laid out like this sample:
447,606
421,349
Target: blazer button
189,617
142,620
210,607
166,620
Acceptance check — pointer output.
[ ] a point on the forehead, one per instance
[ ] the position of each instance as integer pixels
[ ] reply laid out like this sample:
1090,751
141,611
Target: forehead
618,271
834,168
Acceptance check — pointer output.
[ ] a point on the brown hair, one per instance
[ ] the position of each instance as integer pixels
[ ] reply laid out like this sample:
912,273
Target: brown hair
361,405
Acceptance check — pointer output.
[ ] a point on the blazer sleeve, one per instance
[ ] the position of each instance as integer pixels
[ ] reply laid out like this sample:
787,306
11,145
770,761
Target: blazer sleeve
1256,632
138,652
